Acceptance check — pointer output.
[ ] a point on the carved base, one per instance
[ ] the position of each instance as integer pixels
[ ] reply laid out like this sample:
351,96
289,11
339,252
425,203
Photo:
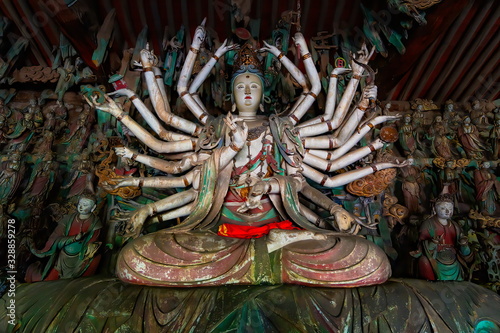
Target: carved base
100,304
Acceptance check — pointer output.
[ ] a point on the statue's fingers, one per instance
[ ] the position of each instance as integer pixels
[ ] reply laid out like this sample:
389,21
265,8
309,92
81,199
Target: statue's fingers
372,51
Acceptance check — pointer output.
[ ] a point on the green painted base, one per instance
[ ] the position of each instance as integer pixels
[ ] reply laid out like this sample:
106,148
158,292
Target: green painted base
100,304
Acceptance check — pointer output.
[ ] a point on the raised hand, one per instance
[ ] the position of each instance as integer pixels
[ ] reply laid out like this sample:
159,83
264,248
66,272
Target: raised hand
224,48
270,48
362,56
110,107
199,35
240,133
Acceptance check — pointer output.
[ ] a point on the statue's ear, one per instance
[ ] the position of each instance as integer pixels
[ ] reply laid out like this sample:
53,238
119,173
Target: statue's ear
93,208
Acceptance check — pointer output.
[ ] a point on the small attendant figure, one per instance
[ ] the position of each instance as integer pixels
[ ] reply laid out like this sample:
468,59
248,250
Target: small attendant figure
443,252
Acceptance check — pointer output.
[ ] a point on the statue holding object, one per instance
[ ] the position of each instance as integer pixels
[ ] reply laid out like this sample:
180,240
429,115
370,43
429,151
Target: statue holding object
244,174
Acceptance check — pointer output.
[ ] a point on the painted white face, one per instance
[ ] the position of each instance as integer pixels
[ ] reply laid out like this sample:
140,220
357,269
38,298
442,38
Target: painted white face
444,210
85,206
247,92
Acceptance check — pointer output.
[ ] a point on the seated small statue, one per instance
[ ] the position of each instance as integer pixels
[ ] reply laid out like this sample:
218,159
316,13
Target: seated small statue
71,247
443,252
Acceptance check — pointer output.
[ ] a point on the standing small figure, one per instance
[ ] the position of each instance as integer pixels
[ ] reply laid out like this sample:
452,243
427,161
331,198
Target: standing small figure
443,250
468,135
407,136
486,196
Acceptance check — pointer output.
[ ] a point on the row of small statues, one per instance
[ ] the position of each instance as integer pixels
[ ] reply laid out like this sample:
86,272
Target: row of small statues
473,133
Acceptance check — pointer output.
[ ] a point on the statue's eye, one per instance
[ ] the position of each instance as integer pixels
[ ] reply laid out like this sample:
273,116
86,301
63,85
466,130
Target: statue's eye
240,86
254,86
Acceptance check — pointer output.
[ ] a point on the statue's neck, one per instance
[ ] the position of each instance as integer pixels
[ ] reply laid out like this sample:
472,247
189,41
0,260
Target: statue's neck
247,115
84,216
443,221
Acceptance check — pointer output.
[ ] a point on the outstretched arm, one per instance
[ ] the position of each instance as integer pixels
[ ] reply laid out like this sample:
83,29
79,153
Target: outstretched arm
344,132
150,118
346,177
143,135
331,98
330,141
171,167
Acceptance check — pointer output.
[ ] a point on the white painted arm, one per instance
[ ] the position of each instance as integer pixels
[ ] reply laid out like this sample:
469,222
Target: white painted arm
205,71
149,117
346,130
331,98
159,97
136,222
175,213
292,69
347,159
346,177
345,102
171,167
330,142
185,76
313,76
141,134
158,182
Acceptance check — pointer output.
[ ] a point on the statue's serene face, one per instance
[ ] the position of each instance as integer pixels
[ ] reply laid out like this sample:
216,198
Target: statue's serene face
85,206
247,92
444,210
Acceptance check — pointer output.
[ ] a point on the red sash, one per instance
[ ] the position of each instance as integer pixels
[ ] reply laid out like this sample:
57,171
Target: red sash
244,231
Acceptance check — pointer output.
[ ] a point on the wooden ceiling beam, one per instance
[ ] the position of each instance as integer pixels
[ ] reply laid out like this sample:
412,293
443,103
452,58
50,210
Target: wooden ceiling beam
439,19
77,33
462,67
436,92
440,57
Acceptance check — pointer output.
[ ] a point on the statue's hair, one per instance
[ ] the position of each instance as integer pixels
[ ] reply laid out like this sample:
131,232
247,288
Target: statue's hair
88,195
445,197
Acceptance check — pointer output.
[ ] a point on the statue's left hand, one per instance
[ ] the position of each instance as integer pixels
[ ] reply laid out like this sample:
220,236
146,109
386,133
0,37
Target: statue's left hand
134,225
254,197
362,56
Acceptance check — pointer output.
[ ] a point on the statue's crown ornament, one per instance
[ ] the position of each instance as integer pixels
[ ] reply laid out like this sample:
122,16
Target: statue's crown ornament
247,58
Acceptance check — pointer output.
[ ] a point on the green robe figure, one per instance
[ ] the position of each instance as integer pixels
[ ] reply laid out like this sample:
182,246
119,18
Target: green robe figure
72,247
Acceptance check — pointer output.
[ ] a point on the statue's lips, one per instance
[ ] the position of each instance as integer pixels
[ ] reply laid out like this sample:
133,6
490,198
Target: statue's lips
248,97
